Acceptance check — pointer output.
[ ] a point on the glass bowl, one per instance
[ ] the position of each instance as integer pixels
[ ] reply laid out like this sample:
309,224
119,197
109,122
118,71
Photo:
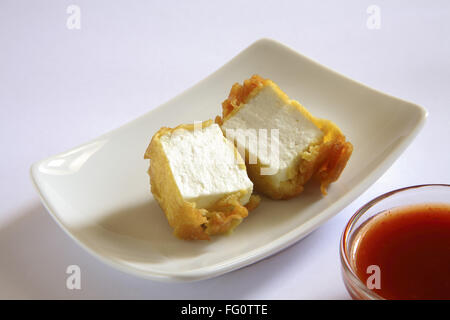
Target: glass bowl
414,195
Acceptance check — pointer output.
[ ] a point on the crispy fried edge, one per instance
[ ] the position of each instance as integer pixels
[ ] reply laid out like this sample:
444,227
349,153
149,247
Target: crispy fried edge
189,222
324,161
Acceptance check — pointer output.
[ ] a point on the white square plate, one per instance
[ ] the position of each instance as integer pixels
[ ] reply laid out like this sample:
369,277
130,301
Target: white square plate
99,192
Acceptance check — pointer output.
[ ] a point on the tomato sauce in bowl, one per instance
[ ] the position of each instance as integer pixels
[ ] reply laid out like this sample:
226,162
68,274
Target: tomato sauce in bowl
397,246
404,253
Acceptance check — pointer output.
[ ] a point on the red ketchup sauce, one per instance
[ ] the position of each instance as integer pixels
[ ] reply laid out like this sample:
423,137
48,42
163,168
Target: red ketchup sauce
411,247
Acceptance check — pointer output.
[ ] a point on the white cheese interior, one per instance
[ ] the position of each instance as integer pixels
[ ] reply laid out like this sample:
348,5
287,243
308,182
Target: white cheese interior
268,111
204,166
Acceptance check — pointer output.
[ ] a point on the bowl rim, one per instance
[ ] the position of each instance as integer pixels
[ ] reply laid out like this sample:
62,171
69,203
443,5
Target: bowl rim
344,253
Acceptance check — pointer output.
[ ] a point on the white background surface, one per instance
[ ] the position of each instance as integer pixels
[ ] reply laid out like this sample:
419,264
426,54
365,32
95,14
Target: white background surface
60,88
